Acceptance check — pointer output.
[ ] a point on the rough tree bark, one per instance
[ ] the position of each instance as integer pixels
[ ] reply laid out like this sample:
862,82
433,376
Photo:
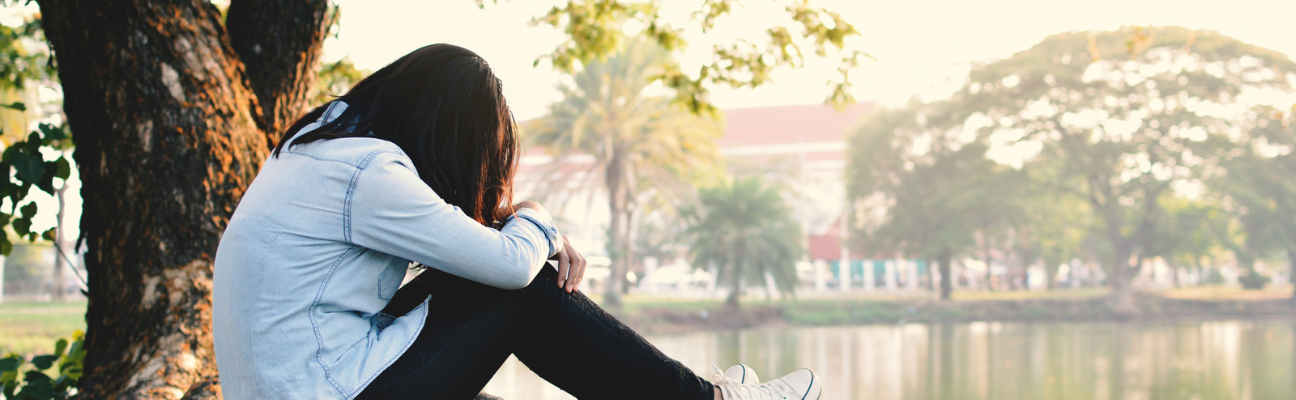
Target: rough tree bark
170,131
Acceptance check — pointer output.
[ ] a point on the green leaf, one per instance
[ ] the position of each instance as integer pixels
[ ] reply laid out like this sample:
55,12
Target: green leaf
16,106
6,247
61,345
64,168
46,183
33,143
35,376
28,210
29,167
50,234
38,386
10,363
53,132
22,226
45,361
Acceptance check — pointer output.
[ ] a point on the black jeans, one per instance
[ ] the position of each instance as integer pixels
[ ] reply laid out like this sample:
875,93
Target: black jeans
471,329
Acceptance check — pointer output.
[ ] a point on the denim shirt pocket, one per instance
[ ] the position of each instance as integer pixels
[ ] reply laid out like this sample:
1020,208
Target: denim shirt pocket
390,279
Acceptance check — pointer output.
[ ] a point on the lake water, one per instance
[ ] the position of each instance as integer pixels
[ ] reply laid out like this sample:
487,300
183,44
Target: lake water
1240,360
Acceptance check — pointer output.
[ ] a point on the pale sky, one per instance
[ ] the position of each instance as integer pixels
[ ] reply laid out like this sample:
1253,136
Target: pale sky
920,45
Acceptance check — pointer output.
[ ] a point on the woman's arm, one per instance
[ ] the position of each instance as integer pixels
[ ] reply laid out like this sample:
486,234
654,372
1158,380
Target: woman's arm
392,211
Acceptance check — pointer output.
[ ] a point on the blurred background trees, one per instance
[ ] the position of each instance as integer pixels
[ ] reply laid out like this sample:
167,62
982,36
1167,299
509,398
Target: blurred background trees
1160,132
641,145
745,230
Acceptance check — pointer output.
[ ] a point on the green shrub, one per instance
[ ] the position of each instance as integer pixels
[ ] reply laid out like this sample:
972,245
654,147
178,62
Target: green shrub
36,384
1253,281
1214,277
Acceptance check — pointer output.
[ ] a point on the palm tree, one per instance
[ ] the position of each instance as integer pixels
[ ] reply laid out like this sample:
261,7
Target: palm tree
641,145
745,230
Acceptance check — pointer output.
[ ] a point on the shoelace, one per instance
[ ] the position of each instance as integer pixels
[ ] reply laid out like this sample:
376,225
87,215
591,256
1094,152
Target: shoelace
733,390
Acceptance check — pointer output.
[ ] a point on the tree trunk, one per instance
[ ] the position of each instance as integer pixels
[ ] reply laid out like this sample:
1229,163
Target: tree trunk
168,138
985,259
615,180
735,284
60,238
279,43
628,253
1121,299
947,278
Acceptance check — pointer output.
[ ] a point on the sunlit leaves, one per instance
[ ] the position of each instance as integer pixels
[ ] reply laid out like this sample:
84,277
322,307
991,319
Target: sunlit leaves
594,30
36,384
26,168
20,60
335,79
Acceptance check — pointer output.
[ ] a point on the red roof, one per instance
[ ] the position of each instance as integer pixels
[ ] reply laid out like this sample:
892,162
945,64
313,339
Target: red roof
790,124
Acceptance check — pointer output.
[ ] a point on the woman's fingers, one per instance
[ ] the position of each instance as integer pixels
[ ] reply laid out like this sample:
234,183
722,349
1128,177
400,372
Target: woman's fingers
578,273
564,266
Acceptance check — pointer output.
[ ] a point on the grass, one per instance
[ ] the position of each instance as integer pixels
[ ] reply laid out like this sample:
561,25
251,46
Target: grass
1228,293
32,327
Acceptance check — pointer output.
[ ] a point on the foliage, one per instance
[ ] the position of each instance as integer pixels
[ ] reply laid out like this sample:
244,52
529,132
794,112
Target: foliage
646,152
21,64
1124,121
1257,191
1187,230
594,31
1253,280
746,230
336,78
36,383
923,192
22,160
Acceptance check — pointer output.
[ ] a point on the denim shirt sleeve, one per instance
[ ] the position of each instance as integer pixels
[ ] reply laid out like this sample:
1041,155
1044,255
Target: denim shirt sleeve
392,211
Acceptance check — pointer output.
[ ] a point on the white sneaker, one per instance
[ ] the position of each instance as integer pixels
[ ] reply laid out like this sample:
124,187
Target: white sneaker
801,384
739,373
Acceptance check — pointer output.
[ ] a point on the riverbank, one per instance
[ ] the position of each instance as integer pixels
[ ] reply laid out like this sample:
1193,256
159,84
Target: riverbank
29,327
657,316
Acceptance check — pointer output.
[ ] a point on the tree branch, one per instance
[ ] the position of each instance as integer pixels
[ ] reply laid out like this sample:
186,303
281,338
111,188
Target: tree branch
279,42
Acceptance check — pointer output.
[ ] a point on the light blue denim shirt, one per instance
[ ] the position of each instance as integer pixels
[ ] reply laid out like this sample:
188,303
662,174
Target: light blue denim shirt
320,243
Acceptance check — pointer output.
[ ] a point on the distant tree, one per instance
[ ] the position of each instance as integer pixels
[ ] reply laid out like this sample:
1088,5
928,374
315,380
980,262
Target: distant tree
746,230
1187,231
1052,230
1130,114
1258,191
925,190
640,143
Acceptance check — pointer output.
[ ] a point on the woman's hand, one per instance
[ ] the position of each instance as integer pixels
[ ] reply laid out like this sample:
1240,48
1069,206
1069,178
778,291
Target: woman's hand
571,267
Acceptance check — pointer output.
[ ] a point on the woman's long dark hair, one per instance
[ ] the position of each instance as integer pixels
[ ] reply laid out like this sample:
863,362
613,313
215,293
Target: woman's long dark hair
443,107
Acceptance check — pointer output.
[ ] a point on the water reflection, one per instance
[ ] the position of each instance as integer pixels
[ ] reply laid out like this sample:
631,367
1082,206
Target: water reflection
1240,360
